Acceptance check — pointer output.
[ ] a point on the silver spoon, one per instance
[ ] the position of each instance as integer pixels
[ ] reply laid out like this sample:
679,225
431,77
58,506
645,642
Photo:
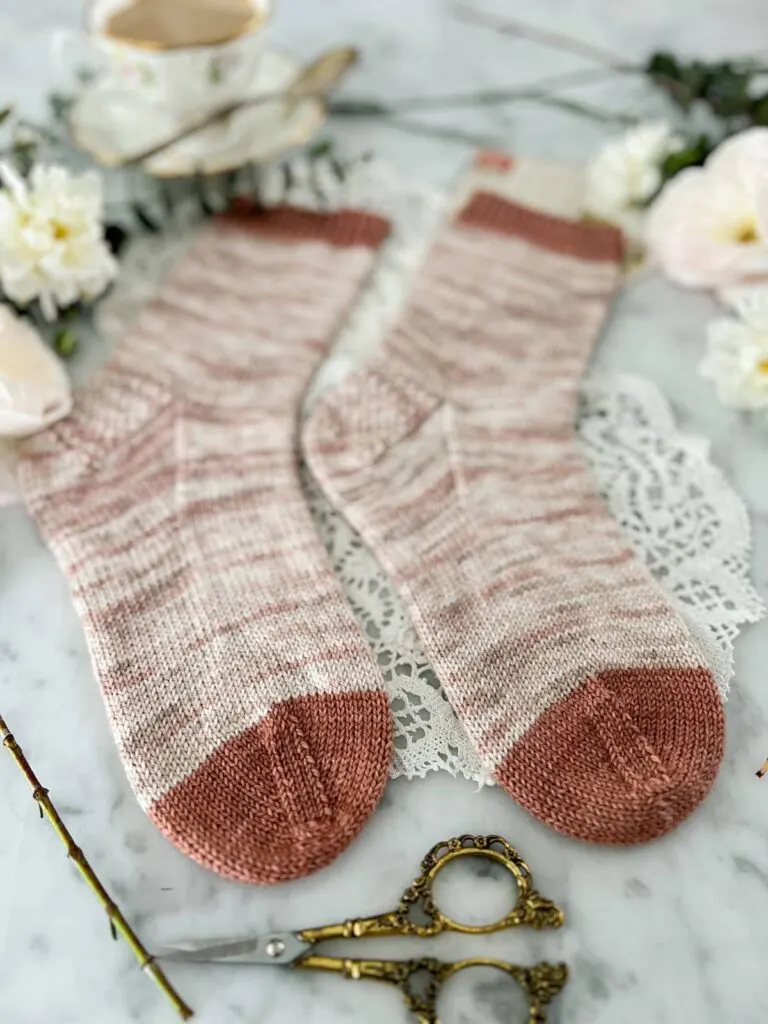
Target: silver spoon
314,80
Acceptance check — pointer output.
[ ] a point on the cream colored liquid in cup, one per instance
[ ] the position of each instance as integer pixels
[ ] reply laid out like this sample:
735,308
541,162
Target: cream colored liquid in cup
176,24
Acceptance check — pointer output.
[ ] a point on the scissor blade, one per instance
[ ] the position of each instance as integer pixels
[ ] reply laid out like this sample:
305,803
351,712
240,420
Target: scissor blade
276,948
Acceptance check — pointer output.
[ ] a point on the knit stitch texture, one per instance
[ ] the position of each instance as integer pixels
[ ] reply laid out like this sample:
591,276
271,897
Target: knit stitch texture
454,456
243,697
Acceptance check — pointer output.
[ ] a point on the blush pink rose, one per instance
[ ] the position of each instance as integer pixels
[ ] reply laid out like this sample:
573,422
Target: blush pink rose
708,228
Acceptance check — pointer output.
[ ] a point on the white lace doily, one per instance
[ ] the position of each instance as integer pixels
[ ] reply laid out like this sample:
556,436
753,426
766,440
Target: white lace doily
681,516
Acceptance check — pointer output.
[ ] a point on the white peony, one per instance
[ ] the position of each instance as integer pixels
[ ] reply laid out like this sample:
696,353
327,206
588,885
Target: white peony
34,387
51,238
626,174
737,352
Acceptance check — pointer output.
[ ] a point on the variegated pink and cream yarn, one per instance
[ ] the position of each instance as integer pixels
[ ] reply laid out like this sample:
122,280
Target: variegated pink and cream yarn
246,707
248,712
455,458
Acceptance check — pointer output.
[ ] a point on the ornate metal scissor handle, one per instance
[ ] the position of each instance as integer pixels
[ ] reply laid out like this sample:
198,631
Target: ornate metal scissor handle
420,980
417,904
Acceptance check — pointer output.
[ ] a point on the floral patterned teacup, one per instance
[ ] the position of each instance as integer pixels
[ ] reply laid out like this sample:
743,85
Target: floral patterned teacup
185,81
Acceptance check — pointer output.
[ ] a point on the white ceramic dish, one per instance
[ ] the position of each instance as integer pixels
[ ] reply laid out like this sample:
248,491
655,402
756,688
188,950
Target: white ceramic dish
110,123
184,79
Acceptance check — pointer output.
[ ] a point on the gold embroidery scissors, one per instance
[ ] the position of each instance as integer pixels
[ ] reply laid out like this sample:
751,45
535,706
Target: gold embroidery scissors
416,914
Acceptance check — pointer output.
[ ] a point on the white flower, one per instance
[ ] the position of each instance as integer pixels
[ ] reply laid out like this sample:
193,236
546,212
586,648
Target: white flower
34,387
626,174
709,226
51,238
737,352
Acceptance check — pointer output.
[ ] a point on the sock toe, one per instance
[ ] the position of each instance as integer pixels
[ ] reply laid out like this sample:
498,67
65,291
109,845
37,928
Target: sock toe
623,759
284,798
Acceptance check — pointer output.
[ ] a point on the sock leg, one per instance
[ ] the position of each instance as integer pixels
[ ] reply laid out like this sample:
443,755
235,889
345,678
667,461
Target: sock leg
247,709
455,457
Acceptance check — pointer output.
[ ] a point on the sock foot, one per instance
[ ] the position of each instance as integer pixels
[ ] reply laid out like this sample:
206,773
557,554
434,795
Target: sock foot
575,679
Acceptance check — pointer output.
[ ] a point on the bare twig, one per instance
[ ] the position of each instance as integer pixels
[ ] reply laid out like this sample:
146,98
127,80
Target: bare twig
437,131
536,90
587,110
539,92
544,36
393,114
763,770
117,922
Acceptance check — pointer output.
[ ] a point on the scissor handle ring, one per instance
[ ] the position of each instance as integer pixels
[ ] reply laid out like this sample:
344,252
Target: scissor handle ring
492,848
540,983
530,908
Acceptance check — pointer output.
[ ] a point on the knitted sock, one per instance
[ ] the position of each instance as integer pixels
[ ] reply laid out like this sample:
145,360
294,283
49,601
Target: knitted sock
455,458
242,694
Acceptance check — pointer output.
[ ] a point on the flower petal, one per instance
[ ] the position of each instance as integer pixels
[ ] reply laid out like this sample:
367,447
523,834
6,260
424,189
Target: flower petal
34,387
15,184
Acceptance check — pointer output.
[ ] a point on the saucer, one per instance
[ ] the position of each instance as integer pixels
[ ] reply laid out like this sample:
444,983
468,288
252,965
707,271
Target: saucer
110,123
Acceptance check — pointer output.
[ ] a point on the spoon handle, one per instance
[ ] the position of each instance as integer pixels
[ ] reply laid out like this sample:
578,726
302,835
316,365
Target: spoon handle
314,80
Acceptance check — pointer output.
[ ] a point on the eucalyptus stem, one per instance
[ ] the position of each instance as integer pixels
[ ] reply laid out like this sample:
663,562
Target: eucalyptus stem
437,131
117,923
544,36
534,91
539,92
763,770
587,110
392,114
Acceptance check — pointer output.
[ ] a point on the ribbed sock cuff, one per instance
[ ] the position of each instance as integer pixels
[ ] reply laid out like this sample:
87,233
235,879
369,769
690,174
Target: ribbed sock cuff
537,200
594,242
344,228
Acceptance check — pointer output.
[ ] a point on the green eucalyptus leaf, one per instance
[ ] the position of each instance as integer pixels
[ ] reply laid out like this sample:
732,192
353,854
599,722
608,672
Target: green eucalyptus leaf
206,207
726,90
144,219
253,177
694,81
691,155
85,75
663,64
167,199
358,108
65,342
314,182
339,170
759,111
115,236
229,188
200,193
60,106
684,83
5,113
24,155
320,149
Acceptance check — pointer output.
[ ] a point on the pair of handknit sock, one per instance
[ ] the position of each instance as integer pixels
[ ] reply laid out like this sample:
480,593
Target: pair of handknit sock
246,706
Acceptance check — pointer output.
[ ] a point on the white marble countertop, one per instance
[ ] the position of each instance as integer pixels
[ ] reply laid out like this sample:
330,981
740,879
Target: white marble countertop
672,932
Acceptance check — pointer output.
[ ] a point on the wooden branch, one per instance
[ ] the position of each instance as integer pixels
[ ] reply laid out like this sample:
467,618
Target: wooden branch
117,923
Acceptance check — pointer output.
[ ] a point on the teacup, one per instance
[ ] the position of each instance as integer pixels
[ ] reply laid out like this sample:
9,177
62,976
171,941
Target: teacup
185,81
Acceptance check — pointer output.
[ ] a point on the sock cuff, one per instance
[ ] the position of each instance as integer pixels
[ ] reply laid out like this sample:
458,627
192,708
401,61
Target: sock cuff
343,228
593,242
